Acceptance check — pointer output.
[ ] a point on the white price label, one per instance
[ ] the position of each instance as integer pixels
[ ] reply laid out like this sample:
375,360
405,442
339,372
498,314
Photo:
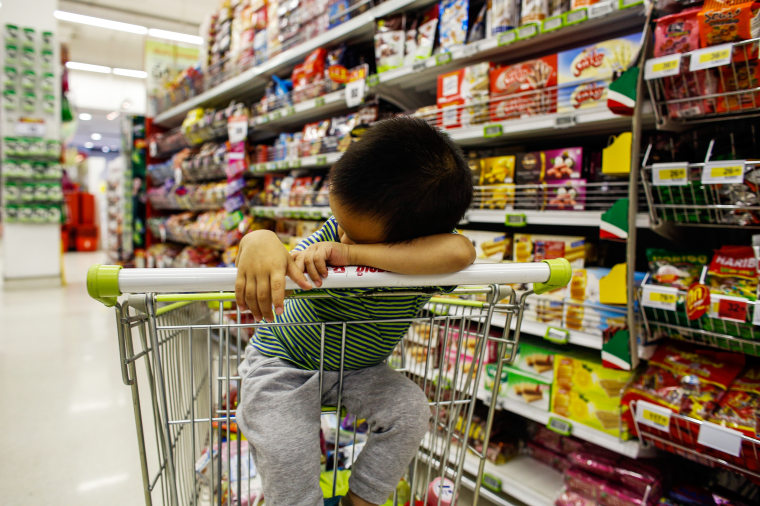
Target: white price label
355,93
559,426
600,9
237,128
564,120
660,297
527,31
470,49
670,174
31,128
555,335
725,172
653,415
664,66
709,57
756,314
720,438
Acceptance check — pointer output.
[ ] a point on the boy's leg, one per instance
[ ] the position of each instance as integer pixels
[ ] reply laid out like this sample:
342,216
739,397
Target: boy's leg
398,415
279,412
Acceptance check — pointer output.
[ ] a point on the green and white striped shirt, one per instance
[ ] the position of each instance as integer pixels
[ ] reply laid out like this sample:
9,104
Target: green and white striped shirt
367,344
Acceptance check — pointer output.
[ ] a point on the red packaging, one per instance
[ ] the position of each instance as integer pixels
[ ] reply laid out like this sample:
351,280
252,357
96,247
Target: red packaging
549,439
462,96
723,21
691,85
86,209
744,75
86,237
636,476
739,409
525,89
584,483
72,208
449,98
573,498
548,457
677,33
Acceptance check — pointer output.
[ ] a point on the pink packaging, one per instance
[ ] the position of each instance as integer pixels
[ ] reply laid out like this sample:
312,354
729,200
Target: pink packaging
677,33
584,483
548,457
566,195
441,490
564,163
636,476
548,439
573,498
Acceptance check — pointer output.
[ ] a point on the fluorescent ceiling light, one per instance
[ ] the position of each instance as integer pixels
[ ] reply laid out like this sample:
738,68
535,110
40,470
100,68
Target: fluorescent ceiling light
140,74
100,22
96,136
179,37
89,145
85,116
88,67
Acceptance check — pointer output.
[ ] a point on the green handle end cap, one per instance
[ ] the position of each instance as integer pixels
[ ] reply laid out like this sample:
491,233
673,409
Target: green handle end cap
560,273
103,283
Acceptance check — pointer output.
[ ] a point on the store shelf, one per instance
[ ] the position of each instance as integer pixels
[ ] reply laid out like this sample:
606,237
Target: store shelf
522,478
305,213
632,448
539,329
556,218
254,80
422,75
301,112
306,162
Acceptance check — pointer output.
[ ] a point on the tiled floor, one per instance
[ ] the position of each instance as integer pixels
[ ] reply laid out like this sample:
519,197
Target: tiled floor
68,434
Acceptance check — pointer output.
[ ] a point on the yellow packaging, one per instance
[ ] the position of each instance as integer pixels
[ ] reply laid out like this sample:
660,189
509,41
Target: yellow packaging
598,412
589,377
534,248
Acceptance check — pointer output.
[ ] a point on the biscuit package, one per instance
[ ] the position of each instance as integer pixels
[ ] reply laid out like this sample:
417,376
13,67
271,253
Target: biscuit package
454,23
567,195
389,42
524,89
505,15
679,270
677,33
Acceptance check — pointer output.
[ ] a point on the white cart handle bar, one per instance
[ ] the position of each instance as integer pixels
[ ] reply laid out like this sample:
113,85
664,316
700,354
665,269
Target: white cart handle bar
107,282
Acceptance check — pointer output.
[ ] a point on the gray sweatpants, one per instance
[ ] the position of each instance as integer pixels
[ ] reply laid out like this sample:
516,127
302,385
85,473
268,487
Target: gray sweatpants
279,413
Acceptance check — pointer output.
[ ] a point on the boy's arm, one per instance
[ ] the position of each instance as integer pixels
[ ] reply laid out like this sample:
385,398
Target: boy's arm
434,254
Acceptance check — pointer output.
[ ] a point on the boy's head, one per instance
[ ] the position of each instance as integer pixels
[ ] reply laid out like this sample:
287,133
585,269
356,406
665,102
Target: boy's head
404,178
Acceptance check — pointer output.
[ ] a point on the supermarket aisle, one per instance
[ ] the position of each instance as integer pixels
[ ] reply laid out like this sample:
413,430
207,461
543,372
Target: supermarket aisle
68,431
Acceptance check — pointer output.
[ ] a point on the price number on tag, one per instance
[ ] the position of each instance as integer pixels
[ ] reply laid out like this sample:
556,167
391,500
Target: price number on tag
664,66
577,16
492,131
729,308
559,426
714,56
319,101
564,121
507,38
555,335
727,172
653,415
491,482
670,174
660,297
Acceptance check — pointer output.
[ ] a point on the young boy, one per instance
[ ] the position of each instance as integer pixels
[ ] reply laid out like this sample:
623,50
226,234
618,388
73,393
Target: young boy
396,196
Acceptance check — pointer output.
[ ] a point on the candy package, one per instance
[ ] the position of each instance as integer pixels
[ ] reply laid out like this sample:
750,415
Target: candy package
505,15
567,195
733,272
454,23
691,85
744,75
740,408
410,42
534,11
426,33
638,477
677,33
722,21
389,42
679,270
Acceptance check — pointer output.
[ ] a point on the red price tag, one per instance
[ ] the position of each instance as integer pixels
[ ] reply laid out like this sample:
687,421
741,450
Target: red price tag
730,309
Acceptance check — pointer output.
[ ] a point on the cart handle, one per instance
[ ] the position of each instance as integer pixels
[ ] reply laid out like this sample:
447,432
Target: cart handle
107,282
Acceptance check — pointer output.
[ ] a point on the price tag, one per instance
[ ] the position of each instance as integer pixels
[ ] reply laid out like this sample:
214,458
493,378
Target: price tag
732,309
237,128
670,174
319,101
491,482
153,149
576,16
552,24
373,80
660,297
275,115
492,131
653,415
555,335
290,111
559,425
355,93
664,66
263,119
507,38
31,127
625,4
321,160
564,120
271,166
600,9
443,58
516,220
295,163
709,57
420,65
725,172
720,438
470,49
527,31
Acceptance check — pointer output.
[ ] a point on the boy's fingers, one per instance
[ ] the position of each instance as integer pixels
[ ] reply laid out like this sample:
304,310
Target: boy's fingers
240,293
277,284
264,295
250,298
313,273
295,271
320,263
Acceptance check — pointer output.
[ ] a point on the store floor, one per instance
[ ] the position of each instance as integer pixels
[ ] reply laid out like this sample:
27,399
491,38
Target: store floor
68,434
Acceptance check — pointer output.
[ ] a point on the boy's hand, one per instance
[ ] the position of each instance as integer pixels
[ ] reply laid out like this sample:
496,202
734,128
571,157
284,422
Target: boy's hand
318,256
262,263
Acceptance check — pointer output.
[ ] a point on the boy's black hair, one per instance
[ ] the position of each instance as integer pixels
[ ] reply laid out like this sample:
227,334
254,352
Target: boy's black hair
407,174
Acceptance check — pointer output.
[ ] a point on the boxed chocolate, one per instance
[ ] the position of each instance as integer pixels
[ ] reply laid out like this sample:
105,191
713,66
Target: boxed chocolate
566,195
564,163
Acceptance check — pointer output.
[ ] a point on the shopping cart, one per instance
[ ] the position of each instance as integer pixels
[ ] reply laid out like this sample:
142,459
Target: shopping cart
181,338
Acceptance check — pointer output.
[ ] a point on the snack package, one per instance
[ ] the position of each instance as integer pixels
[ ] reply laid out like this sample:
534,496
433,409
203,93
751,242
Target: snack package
535,248
692,85
598,412
679,270
572,498
577,4
536,358
426,33
389,43
597,61
742,76
505,15
563,163
567,195
454,23
733,272
547,456
677,33
466,87
722,21
410,42
478,28
528,388
739,409
534,11
638,477
524,89
497,170
584,373
687,380
529,173
490,246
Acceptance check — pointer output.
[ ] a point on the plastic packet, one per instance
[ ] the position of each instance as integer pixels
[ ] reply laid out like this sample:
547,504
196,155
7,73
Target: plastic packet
723,21
740,408
733,271
426,33
454,23
389,42
534,11
679,270
478,29
677,33
505,15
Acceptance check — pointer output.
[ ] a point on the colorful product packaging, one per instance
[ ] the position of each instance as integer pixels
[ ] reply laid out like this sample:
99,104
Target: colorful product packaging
389,42
524,89
536,358
454,23
677,33
564,163
586,374
504,16
733,272
490,246
676,269
535,248
566,195
528,388
462,96
722,21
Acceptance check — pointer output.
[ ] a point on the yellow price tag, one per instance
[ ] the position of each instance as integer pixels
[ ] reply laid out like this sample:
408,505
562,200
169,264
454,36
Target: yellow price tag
665,66
673,174
667,298
730,171
713,56
656,418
